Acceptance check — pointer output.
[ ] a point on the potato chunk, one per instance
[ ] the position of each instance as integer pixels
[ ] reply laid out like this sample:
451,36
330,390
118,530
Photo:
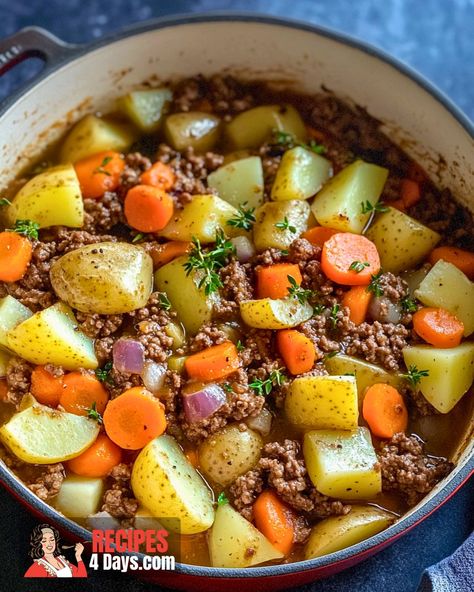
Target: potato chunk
4,359
266,234
343,464
79,497
267,313
300,175
232,536
339,203
51,336
239,182
320,402
52,198
447,287
42,435
229,453
451,372
146,107
402,242
12,313
166,484
339,532
104,278
193,129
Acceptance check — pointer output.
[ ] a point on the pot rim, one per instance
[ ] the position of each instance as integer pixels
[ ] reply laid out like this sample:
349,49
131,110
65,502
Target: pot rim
458,477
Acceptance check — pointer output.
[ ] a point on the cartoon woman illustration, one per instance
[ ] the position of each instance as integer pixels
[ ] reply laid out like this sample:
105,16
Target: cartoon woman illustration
47,559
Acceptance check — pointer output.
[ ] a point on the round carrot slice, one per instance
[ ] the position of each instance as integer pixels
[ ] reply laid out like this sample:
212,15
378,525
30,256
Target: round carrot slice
384,410
147,208
350,259
81,392
15,256
99,173
98,459
438,327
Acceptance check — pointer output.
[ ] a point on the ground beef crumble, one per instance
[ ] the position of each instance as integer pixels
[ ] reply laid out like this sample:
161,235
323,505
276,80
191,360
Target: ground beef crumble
18,380
101,215
48,483
379,343
118,500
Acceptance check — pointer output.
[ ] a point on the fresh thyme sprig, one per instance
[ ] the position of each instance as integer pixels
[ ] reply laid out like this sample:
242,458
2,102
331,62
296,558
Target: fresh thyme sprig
101,169
239,346
285,225
367,207
92,413
297,291
333,315
408,304
358,266
318,309
265,387
138,237
103,374
245,218
5,202
287,140
374,285
26,228
222,499
165,304
414,375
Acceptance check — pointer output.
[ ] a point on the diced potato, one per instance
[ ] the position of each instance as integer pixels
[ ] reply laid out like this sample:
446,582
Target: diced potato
177,334
323,402
79,497
229,453
300,175
51,336
104,278
12,313
52,198
146,107
232,536
339,532
266,234
194,308
176,363
252,128
201,218
166,484
267,313
343,464
41,435
193,129
339,203
414,278
445,286
451,372
91,135
4,359
401,241
240,182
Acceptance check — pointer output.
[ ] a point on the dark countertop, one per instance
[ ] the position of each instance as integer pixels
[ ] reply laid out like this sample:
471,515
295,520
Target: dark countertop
432,36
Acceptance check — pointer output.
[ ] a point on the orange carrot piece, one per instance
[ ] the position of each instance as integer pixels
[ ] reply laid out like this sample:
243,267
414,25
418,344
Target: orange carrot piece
272,281
159,175
384,410
15,256
344,250
438,327
81,392
297,350
99,173
212,363
46,388
318,235
410,192
357,300
147,208
134,418
166,252
463,260
98,459
3,389
275,520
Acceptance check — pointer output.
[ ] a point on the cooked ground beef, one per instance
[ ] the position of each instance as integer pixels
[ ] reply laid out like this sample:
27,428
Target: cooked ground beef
209,335
103,349
69,240
408,470
18,380
301,251
237,285
135,165
49,482
379,343
267,257
118,382
98,326
118,500
101,215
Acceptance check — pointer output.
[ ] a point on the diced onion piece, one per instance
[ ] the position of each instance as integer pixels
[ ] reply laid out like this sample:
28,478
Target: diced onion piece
244,248
153,376
129,356
382,309
262,422
203,403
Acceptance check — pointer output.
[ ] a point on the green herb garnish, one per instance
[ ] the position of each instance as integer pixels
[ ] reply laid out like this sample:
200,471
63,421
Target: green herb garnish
265,387
164,301
287,140
103,374
297,291
222,499
227,387
333,314
5,202
332,354
414,375
408,304
285,225
26,228
92,413
374,285
240,346
367,207
244,219
313,146
358,266
100,168
138,237
319,309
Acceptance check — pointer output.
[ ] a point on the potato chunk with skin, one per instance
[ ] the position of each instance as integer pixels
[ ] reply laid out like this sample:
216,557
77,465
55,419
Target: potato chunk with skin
104,278
146,107
266,234
445,286
342,464
232,536
320,402
339,532
229,453
52,198
267,313
239,182
79,497
451,372
339,203
300,175
193,129
51,336
12,313
166,484
402,242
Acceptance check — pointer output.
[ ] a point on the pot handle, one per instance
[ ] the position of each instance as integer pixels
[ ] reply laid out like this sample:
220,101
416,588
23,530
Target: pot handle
32,42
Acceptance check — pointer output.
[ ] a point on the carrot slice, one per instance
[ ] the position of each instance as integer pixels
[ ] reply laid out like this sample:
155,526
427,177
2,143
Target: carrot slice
134,418
3,389
463,260
166,252
15,256
159,175
318,235
147,208
98,459
275,520
357,300
99,173
46,388
345,250
297,350
81,392
272,281
410,192
213,363
384,410
438,327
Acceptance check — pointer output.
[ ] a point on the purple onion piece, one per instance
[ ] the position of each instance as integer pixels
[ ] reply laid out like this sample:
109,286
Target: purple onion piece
203,403
129,356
